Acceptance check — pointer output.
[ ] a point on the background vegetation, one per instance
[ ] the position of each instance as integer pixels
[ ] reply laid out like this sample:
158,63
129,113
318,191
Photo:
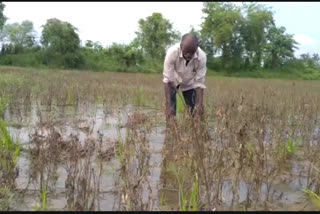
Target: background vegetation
239,41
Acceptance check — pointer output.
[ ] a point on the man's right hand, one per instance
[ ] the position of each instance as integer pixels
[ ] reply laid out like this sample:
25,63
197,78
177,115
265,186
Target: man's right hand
169,92
169,112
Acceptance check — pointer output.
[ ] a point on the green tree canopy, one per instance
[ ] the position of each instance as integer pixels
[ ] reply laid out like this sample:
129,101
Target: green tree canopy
2,17
60,36
259,20
279,48
127,55
155,34
22,35
62,44
308,60
221,26
93,45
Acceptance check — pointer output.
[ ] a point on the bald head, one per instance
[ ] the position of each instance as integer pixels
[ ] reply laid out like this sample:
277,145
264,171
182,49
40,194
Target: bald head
189,45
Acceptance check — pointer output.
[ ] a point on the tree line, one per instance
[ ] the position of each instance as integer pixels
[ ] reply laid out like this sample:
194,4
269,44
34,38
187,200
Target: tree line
235,38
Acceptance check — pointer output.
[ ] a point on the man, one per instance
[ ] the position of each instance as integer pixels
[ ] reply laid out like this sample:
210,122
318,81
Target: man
185,69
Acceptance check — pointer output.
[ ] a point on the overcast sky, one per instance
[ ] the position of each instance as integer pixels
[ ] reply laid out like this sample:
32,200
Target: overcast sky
109,22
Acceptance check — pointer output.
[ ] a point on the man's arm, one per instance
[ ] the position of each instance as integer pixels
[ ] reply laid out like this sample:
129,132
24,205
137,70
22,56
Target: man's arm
199,109
200,84
199,97
169,91
168,80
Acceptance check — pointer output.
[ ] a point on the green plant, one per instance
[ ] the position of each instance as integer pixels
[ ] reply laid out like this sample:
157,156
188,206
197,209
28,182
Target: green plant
290,148
8,147
140,97
6,197
186,203
180,103
313,196
43,197
9,151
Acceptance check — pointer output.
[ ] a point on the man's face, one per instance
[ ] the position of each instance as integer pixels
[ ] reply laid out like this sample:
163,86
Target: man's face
188,51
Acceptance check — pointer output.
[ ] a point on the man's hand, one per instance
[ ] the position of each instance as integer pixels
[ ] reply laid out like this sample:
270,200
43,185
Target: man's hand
199,109
169,111
170,91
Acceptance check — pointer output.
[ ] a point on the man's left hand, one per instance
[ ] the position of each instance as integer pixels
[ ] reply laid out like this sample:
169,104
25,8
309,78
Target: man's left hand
199,109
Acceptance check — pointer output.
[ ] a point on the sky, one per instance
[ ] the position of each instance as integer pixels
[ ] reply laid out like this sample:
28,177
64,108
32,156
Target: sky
109,22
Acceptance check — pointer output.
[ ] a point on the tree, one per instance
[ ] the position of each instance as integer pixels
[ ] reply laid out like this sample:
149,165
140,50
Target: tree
2,17
62,44
221,27
310,61
205,43
96,46
279,48
258,22
155,34
60,36
18,37
126,55
316,59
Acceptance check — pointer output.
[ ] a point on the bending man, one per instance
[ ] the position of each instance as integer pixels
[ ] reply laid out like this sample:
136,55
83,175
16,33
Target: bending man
185,69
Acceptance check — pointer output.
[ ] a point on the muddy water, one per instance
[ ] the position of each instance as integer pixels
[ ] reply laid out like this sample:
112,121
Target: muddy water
89,122
102,189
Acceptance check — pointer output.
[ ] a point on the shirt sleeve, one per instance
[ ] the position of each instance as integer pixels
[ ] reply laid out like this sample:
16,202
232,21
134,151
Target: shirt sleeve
199,81
168,68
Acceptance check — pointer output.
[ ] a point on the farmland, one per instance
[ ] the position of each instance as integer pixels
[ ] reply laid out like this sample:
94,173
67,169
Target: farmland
82,140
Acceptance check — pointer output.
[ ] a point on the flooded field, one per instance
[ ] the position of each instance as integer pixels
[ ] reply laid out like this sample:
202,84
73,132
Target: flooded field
74,140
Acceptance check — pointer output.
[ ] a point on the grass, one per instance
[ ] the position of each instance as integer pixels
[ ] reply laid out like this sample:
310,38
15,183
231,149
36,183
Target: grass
292,74
315,198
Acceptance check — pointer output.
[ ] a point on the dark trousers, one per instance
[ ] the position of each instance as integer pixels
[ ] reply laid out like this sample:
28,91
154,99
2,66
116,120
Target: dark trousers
189,99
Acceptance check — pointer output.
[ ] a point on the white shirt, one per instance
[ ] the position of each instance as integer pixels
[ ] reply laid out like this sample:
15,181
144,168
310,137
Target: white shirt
187,76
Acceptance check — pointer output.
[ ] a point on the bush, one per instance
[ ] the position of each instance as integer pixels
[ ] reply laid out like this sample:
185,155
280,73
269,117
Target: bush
23,59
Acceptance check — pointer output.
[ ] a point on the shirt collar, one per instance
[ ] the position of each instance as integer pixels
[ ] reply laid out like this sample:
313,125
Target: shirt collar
194,56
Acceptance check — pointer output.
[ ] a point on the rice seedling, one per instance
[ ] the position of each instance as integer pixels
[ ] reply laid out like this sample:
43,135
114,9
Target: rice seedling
9,154
180,103
140,97
290,148
43,198
188,201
